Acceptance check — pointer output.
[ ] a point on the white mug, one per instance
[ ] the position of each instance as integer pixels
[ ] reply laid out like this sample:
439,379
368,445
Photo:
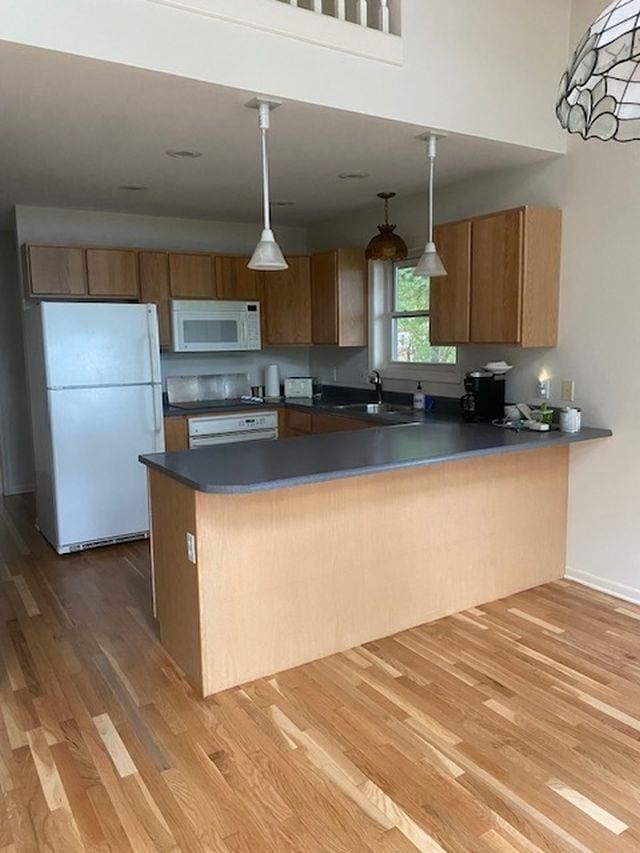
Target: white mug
570,420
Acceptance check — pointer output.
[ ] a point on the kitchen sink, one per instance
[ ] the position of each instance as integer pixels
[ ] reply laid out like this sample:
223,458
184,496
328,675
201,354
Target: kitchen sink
375,408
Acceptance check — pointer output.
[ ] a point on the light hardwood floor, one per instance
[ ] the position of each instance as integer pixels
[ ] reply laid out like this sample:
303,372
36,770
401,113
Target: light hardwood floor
514,726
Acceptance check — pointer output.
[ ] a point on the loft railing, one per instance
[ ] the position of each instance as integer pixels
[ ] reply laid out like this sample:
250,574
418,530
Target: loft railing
379,15
371,28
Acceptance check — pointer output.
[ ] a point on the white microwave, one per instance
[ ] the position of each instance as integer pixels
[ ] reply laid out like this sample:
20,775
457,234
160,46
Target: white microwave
211,325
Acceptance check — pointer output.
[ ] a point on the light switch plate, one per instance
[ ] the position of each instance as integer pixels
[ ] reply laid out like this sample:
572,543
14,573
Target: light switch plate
568,391
191,547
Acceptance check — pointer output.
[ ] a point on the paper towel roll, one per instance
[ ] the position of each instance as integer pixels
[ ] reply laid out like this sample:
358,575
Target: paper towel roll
272,380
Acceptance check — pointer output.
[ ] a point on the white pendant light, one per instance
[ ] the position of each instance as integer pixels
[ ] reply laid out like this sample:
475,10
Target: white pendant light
430,264
267,254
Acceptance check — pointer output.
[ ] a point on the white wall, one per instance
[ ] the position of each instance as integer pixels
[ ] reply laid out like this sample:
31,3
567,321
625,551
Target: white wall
596,185
16,458
486,68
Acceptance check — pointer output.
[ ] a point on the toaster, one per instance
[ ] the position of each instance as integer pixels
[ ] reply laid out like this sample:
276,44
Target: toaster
298,386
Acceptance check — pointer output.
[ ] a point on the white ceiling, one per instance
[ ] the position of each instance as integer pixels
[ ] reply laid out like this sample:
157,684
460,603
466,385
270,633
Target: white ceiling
72,131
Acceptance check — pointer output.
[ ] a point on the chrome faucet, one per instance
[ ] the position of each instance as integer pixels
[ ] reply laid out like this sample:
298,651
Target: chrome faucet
376,380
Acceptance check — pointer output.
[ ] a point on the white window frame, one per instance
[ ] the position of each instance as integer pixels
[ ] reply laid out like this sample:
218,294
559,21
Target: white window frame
381,280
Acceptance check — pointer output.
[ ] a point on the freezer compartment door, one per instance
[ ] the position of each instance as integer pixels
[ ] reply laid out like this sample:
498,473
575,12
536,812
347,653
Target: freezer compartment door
98,433
101,344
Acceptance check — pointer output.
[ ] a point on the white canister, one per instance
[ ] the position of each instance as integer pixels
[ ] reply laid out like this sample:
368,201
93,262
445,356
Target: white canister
570,420
272,380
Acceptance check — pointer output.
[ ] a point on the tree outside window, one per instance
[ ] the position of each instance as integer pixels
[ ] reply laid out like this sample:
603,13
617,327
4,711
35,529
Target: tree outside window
410,341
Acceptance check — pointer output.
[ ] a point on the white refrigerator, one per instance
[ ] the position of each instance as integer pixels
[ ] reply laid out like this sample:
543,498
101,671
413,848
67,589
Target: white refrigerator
96,404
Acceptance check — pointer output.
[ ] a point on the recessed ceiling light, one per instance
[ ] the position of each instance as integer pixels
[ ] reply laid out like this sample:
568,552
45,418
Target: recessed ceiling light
282,203
353,176
133,188
183,154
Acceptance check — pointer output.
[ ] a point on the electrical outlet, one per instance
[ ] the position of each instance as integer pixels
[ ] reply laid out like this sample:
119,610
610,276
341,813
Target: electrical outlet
568,391
191,547
544,389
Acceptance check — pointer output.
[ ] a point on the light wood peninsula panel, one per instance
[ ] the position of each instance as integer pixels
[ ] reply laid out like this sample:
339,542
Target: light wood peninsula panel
292,575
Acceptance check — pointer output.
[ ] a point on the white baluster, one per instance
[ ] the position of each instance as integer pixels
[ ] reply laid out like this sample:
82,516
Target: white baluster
293,2
362,12
317,6
384,16
341,11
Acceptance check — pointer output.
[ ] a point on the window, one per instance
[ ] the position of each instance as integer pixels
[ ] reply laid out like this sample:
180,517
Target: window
409,321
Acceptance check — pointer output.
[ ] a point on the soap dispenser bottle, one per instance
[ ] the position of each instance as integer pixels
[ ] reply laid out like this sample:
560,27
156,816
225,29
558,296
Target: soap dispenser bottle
418,397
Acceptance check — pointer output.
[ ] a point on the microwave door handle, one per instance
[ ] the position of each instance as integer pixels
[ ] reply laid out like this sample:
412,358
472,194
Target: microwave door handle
245,336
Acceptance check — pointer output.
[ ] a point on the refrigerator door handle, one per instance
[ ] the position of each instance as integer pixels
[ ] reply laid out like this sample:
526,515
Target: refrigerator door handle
157,409
154,344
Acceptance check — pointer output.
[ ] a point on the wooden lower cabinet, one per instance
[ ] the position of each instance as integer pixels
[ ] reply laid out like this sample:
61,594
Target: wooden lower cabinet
112,273
176,435
292,423
324,423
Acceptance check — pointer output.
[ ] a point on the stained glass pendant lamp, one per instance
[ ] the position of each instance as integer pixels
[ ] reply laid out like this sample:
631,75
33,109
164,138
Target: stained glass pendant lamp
267,254
600,92
430,264
386,246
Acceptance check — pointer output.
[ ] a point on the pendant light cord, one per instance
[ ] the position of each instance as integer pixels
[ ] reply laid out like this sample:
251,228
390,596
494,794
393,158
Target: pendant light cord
432,162
264,129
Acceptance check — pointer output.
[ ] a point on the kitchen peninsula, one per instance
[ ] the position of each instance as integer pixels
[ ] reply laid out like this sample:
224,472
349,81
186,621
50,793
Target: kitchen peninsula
306,547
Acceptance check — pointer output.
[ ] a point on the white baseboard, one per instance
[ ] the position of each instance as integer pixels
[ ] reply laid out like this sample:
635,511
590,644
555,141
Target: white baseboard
618,590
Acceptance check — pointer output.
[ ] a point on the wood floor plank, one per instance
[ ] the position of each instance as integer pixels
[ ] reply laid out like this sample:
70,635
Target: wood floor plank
514,726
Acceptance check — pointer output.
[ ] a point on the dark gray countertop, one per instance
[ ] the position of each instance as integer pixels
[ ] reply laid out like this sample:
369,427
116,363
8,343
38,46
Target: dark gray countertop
265,465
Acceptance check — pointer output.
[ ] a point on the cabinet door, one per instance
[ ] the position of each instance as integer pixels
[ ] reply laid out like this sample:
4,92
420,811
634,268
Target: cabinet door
154,287
234,280
297,422
176,435
496,278
287,304
353,311
324,302
55,271
450,296
112,273
323,423
192,276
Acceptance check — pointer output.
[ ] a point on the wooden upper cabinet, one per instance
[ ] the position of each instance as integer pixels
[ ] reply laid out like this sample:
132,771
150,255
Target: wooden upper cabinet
55,271
515,277
192,276
287,304
324,298
496,278
339,308
112,273
450,296
235,280
154,287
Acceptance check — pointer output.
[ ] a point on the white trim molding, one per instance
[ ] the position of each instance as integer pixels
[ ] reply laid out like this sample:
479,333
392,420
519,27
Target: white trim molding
291,21
380,288
617,590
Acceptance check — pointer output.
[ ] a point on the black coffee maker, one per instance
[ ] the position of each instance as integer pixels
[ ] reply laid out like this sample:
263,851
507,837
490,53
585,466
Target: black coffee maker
484,400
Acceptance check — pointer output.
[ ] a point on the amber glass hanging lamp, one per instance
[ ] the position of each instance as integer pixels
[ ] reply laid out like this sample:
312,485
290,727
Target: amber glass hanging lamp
387,245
